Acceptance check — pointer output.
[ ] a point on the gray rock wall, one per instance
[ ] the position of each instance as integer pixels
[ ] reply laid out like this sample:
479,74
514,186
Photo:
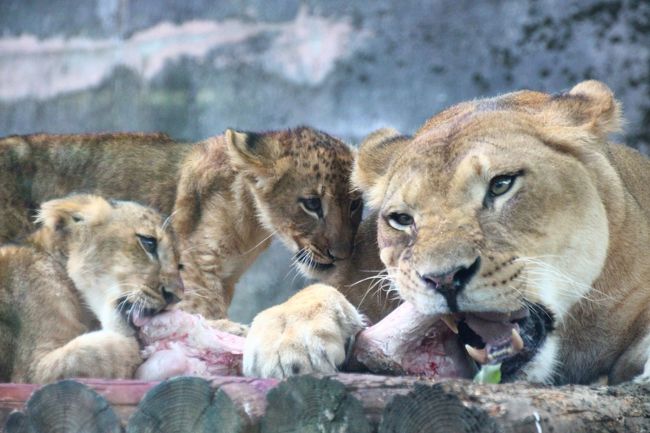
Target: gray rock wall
193,68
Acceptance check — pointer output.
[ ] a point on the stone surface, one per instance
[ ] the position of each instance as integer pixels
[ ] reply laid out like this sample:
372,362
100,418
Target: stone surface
193,68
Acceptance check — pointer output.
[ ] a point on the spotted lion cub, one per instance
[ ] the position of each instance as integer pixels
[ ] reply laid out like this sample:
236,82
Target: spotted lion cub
70,300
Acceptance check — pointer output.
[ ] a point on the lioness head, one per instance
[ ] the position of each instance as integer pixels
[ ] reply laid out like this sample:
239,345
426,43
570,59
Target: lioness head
300,181
489,213
119,254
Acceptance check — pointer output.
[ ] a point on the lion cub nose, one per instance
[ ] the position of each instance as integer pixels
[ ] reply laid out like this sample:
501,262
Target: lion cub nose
169,296
449,284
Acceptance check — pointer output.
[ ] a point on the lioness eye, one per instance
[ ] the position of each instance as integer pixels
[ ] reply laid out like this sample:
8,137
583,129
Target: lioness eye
500,185
312,204
400,221
355,205
149,244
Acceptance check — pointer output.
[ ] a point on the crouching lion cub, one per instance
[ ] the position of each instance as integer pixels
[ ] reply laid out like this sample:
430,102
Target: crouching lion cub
513,215
70,301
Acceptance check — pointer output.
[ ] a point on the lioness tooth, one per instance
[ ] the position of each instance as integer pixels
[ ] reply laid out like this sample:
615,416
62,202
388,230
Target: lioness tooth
517,341
450,322
479,355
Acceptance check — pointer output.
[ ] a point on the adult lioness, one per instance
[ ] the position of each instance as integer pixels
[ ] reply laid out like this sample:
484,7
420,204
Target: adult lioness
515,213
227,195
69,302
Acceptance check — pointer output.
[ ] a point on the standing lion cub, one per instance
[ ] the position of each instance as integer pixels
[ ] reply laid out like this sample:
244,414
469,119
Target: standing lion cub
71,299
227,196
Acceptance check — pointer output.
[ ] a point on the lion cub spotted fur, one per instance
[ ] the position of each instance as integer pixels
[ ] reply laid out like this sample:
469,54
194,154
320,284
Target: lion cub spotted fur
69,298
227,196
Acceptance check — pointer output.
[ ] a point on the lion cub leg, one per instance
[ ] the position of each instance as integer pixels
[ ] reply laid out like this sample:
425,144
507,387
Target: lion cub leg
306,334
102,354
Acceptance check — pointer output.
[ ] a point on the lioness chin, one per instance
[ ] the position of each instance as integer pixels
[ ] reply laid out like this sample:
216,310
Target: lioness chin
227,196
72,298
516,221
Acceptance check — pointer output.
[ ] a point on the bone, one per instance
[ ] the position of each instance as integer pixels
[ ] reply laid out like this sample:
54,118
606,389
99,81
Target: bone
404,342
408,342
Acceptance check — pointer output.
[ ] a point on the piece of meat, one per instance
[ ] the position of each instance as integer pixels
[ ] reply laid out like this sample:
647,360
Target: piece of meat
407,342
178,343
404,342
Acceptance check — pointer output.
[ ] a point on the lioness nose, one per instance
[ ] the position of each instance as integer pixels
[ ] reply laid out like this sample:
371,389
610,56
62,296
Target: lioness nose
448,284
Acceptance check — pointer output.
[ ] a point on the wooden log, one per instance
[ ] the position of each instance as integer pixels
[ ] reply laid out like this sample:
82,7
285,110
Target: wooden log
350,403
123,395
457,406
241,403
175,405
309,404
65,406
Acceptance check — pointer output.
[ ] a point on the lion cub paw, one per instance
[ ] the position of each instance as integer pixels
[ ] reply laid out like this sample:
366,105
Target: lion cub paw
306,334
100,354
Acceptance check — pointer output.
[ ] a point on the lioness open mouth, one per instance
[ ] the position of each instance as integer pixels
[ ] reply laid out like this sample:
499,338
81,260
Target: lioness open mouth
453,346
309,259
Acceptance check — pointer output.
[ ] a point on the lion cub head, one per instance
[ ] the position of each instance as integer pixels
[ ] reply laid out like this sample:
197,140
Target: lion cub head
491,212
300,182
120,255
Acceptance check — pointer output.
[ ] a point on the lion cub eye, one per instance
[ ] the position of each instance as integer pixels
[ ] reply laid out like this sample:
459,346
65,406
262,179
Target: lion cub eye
500,185
400,221
312,205
149,244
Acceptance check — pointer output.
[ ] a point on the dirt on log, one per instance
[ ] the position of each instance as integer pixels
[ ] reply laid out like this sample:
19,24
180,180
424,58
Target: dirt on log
339,403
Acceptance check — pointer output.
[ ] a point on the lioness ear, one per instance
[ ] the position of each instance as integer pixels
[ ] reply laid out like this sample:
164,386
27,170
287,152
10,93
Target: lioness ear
375,154
61,214
250,150
591,105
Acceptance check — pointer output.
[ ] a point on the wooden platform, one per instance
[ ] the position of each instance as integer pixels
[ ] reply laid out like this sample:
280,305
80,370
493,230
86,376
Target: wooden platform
339,403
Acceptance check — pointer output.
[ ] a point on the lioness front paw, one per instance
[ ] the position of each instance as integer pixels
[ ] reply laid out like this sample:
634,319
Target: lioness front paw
306,334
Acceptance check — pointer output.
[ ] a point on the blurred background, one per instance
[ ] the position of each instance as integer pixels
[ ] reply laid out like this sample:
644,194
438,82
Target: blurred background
192,68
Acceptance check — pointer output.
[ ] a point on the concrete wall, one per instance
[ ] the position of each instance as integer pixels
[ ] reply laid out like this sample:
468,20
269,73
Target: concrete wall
193,68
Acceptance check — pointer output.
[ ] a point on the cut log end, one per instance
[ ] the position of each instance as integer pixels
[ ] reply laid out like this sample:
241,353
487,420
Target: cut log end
431,409
178,404
65,406
310,404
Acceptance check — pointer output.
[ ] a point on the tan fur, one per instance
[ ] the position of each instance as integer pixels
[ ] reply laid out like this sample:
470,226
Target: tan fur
572,232
306,334
63,297
227,195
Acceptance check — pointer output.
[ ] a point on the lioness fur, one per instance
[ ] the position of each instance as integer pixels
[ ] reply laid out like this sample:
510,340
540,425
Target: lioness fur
526,191
69,297
227,195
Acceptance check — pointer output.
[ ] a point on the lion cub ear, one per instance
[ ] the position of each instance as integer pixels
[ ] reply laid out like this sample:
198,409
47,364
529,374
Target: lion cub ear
61,214
250,151
591,105
375,154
